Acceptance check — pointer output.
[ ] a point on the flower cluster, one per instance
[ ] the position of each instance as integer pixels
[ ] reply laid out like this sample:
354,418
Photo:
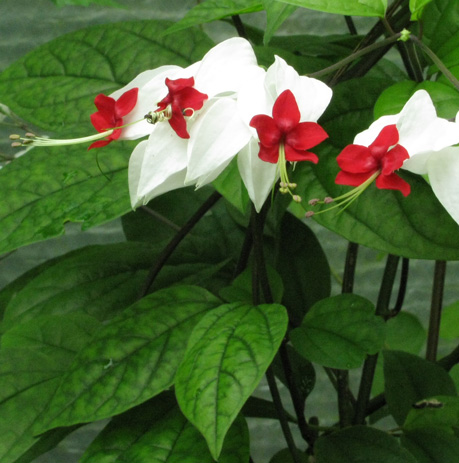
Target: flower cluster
197,119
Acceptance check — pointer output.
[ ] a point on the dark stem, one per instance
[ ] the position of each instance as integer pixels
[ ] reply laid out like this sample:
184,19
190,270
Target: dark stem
160,217
245,253
350,25
239,25
342,376
382,309
176,240
435,310
260,279
402,288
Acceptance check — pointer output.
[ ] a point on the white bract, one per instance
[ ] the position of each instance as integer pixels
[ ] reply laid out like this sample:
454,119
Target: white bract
160,163
428,140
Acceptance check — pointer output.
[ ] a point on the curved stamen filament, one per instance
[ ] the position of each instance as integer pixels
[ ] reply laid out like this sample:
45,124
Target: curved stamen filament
285,185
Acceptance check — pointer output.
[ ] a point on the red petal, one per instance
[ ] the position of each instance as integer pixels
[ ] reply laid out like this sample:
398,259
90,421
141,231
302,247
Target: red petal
126,102
357,159
393,182
176,85
306,135
189,98
387,137
346,178
267,130
100,122
178,123
269,153
99,144
105,103
285,111
394,159
293,155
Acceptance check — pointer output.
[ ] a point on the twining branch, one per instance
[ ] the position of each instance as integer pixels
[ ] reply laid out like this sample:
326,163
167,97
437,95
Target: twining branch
176,240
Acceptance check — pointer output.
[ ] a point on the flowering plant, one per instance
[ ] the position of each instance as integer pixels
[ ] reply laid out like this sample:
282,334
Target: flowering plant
219,185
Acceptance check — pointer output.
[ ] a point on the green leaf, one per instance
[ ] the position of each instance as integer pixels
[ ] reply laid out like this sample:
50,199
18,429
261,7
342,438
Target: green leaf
449,327
405,332
346,7
230,185
33,358
49,187
392,100
441,24
359,444
417,8
339,331
126,429
431,445
276,13
409,379
131,359
54,86
228,353
440,412
303,266
173,438
97,280
213,10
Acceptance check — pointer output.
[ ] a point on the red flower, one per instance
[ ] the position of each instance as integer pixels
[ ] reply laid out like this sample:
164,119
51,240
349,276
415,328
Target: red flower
382,157
284,130
110,114
183,99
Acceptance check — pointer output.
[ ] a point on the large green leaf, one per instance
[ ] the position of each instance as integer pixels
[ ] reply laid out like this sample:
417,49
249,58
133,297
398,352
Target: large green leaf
409,379
54,86
124,430
417,8
303,267
213,10
228,353
431,445
440,24
449,328
100,281
346,7
49,187
359,444
174,439
339,332
276,13
33,358
97,280
131,359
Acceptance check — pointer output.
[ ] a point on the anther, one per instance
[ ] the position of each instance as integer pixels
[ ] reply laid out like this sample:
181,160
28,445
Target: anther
313,202
15,136
309,214
328,200
296,198
16,144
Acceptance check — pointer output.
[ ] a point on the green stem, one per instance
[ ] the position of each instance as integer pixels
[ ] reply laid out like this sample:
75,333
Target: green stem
382,309
436,60
176,240
239,25
356,55
435,310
